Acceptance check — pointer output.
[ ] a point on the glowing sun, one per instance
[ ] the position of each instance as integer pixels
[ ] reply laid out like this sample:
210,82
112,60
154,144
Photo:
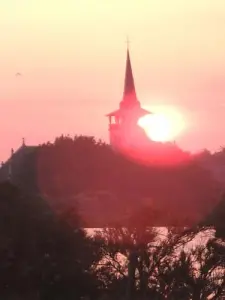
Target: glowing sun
163,125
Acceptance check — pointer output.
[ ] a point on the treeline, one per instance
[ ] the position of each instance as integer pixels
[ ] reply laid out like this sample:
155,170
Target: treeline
48,256
86,169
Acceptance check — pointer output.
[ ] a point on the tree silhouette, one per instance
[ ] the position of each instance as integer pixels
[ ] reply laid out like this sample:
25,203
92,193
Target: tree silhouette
71,167
44,253
193,274
134,257
41,252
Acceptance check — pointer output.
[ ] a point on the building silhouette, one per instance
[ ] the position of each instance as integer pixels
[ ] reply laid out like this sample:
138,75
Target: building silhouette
15,167
123,127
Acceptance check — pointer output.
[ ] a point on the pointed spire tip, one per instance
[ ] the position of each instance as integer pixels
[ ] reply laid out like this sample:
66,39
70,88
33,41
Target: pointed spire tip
127,42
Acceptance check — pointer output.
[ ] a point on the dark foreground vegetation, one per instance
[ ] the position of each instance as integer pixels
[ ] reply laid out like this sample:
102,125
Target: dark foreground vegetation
45,254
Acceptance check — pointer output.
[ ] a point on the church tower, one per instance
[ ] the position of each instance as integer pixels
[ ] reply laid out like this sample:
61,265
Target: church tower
123,122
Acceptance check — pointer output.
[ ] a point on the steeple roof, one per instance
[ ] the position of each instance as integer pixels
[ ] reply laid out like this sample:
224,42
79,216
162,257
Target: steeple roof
129,93
129,100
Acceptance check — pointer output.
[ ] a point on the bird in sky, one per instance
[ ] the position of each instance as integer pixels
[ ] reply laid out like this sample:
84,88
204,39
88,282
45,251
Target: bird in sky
18,74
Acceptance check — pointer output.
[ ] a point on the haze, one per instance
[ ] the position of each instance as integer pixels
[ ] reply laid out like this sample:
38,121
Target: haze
71,55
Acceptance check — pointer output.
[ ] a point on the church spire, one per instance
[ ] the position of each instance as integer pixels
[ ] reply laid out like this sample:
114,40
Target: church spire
129,94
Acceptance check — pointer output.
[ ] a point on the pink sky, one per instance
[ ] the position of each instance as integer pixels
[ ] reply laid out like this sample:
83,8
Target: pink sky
72,57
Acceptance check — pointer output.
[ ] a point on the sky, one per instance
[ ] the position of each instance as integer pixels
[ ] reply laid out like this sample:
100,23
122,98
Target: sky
71,55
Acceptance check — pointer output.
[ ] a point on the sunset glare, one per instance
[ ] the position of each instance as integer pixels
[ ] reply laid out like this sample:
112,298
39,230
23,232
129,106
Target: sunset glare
162,126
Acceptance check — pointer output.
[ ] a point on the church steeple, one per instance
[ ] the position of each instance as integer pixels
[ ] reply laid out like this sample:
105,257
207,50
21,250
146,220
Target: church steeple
123,121
129,93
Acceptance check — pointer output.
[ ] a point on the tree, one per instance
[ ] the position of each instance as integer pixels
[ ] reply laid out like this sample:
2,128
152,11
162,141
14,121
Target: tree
133,256
70,167
194,274
41,253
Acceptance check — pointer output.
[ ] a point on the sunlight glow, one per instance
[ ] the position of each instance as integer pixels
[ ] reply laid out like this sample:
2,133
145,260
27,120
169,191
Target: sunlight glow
163,125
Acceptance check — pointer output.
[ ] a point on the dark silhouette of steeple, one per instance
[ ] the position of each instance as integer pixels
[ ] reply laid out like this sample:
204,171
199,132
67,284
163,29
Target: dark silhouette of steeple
129,100
129,93
123,121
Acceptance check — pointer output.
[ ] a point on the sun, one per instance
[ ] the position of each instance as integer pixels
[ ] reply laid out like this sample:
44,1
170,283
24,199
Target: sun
163,125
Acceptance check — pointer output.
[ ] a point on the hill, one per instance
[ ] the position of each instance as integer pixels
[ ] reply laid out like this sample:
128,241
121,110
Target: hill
109,188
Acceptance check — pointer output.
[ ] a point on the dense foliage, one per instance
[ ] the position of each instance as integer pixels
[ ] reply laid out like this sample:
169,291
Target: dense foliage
92,172
44,253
